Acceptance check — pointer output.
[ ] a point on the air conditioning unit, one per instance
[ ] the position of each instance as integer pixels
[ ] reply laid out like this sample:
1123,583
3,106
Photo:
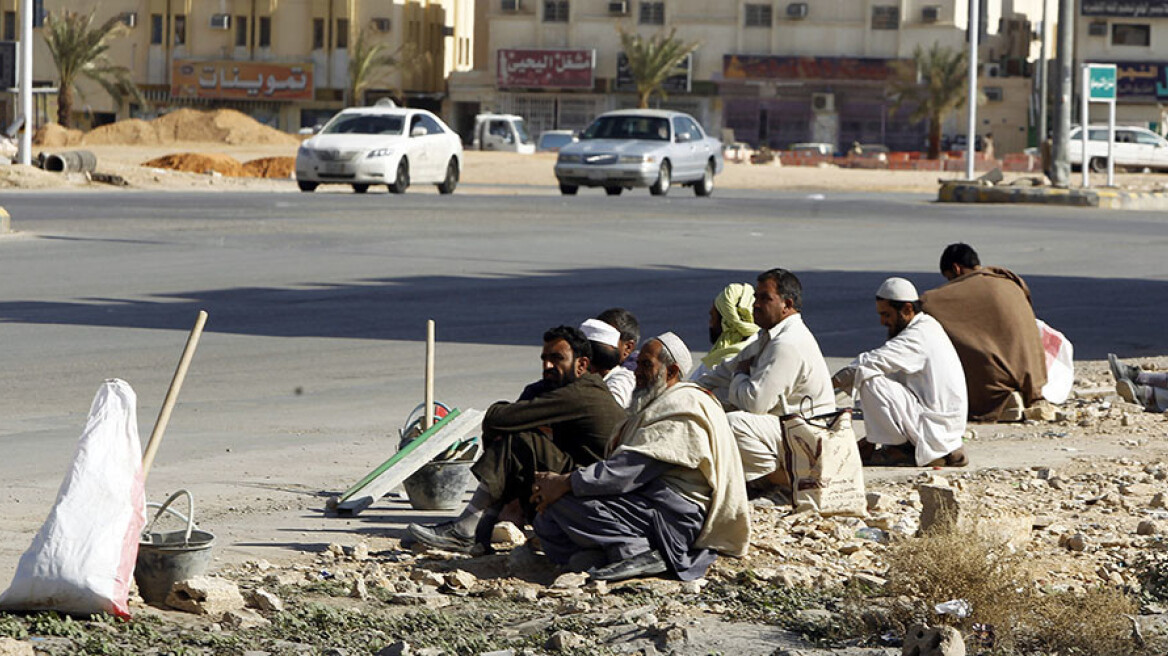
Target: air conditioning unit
993,70
510,5
823,103
930,14
220,21
381,24
797,10
619,8
1098,28
129,18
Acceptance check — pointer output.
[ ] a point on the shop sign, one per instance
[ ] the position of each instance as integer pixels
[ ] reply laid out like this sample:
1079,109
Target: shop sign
679,80
546,69
241,80
772,67
1125,8
1146,81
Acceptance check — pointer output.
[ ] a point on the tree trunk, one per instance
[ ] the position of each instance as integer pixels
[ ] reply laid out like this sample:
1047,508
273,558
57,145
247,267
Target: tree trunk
643,99
934,137
64,106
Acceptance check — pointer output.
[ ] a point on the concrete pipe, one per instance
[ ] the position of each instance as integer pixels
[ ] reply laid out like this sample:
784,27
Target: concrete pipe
71,161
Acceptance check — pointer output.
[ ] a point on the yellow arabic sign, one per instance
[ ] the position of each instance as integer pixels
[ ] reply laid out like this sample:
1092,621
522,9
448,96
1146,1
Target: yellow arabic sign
243,80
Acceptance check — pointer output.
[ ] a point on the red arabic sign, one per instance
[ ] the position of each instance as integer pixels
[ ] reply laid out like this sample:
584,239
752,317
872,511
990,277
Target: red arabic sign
245,80
558,69
768,67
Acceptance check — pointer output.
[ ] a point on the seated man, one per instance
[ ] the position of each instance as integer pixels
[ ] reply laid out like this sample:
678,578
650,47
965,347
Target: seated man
567,425
630,333
912,389
987,314
731,326
780,373
606,359
669,495
1149,389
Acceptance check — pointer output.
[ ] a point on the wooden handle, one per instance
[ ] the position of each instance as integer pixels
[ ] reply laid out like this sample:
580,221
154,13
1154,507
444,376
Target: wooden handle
172,394
429,395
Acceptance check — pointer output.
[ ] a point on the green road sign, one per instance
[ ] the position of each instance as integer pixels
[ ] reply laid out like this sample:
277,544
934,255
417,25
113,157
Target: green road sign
1101,81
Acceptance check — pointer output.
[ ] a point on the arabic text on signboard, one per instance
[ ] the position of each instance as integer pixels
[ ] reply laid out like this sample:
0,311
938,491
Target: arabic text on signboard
241,80
1141,81
542,69
768,67
1125,8
679,80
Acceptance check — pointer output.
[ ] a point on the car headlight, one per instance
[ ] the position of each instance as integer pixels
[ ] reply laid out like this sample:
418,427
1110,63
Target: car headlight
304,151
380,152
569,158
637,159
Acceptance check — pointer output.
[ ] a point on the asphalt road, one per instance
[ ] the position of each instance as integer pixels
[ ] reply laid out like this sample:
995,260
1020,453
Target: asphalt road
317,302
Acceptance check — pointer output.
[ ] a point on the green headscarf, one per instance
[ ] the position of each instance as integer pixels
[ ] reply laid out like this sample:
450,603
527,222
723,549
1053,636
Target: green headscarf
736,306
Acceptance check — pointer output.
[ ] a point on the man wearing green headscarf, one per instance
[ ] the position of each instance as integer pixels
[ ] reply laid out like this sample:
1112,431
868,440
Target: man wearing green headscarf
731,325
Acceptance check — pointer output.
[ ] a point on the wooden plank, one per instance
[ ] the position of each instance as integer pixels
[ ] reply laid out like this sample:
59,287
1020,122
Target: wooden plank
408,460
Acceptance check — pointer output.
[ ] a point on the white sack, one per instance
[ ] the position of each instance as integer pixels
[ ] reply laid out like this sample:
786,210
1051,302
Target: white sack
1060,364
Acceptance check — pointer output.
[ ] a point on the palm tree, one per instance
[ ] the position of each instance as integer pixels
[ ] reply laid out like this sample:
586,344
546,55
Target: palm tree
370,63
935,82
652,61
80,50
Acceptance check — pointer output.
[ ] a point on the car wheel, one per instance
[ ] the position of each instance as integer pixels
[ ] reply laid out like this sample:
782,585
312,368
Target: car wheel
705,186
401,179
360,188
568,190
613,191
451,181
1098,164
306,186
664,180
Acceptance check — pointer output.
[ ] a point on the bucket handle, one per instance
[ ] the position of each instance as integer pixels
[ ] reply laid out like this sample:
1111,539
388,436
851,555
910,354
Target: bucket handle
165,507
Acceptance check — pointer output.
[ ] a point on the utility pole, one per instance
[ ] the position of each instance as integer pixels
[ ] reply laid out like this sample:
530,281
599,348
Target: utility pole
1043,73
26,81
974,33
1061,167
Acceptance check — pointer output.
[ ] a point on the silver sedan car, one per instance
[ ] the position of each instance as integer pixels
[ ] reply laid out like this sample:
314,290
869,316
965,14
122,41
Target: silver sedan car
641,148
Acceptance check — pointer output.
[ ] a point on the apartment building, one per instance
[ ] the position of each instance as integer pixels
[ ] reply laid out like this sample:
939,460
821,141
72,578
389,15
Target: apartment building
284,62
1133,35
767,72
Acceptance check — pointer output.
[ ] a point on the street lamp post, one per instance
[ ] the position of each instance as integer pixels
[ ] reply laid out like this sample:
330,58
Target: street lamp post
1061,167
26,81
971,142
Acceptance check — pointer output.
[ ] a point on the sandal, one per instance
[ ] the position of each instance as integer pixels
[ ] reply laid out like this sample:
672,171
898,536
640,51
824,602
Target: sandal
893,456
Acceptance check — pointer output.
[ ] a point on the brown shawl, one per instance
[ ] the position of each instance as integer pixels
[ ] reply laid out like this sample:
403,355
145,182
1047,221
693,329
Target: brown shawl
988,317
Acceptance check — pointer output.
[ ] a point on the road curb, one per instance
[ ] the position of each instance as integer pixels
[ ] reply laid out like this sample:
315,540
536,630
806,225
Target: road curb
1112,199
5,222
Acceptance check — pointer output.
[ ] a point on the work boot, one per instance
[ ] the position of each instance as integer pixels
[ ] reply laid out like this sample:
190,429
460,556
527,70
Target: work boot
1013,410
587,559
442,536
1122,371
647,563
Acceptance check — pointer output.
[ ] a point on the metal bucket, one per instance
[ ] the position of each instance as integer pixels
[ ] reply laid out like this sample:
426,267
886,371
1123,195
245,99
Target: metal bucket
165,558
439,485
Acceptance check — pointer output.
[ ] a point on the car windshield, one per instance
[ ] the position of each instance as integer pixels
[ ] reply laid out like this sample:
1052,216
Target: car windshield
554,140
364,124
522,130
650,128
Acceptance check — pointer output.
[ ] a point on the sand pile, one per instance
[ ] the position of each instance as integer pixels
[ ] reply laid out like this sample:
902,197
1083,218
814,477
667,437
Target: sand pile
271,167
218,126
199,163
53,135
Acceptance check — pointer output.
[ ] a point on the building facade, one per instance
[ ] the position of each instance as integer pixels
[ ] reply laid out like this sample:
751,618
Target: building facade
1133,35
284,62
766,72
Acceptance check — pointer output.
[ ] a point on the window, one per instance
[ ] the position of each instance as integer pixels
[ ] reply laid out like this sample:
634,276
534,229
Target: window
759,16
993,94
265,32
651,13
555,11
318,34
156,29
180,29
1131,35
1148,139
885,17
342,33
10,26
38,13
241,31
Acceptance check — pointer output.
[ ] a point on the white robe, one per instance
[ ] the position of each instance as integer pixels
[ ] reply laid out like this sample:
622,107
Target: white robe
621,382
913,388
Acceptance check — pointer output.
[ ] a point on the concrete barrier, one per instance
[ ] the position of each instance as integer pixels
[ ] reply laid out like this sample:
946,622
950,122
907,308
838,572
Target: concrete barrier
1113,199
5,222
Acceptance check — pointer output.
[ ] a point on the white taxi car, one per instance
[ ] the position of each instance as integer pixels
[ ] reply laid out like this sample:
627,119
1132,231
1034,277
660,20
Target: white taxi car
381,145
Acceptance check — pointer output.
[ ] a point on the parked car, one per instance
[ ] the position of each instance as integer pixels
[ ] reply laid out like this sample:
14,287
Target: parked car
505,132
392,146
553,140
632,148
813,148
1136,148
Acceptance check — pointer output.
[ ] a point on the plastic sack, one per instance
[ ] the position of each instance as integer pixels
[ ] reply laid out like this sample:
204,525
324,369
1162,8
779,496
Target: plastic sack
1060,364
82,559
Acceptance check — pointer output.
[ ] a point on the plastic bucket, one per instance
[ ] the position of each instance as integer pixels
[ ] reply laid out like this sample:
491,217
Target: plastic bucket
165,558
439,485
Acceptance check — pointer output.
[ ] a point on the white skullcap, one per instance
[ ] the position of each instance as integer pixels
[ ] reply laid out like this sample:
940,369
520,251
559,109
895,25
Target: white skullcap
677,348
598,331
897,289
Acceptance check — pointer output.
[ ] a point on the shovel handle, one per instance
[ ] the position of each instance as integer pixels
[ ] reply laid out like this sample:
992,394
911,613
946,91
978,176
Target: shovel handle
172,394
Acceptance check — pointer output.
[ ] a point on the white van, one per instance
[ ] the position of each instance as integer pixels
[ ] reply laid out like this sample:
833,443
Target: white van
506,132
1135,148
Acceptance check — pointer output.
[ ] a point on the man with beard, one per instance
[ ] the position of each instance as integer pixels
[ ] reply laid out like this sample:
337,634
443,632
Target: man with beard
566,426
912,389
606,359
731,326
671,493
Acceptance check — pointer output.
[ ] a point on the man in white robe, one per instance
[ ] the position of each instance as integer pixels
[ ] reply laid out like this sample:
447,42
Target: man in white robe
912,389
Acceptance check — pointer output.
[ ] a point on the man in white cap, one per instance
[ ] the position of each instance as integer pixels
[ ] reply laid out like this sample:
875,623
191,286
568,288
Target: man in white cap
670,493
780,374
606,359
911,389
